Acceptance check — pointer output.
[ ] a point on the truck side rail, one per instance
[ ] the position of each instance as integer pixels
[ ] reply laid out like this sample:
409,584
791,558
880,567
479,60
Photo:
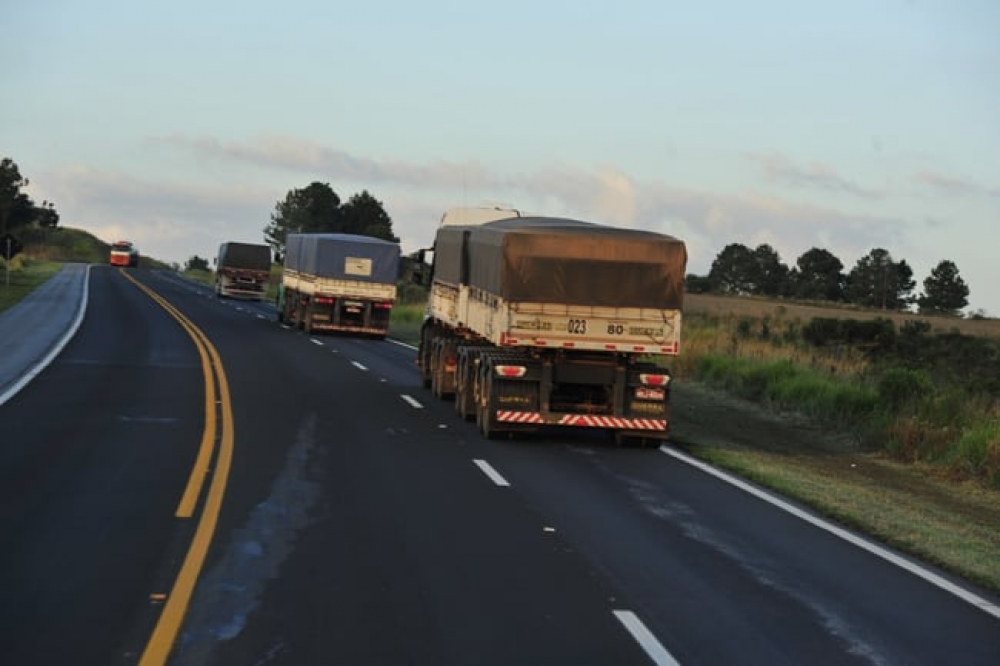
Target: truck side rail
556,325
315,285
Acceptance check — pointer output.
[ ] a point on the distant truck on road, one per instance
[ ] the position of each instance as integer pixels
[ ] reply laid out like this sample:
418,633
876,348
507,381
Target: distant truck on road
338,282
540,322
242,270
124,253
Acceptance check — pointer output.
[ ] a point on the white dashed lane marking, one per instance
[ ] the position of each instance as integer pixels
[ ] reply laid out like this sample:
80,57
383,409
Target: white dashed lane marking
491,473
657,653
411,401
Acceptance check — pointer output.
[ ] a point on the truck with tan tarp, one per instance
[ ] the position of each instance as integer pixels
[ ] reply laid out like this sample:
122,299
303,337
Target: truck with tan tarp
535,322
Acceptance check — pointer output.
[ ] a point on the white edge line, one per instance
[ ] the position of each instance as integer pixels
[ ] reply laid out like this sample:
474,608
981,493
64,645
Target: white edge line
411,401
646,640
48,358
401,343
873,548
316,342
359,366
490,472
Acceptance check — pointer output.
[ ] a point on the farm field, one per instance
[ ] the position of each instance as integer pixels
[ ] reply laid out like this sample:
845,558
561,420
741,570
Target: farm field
746,306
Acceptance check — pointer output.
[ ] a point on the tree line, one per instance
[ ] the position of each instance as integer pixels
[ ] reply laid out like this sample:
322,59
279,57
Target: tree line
877,280
17,210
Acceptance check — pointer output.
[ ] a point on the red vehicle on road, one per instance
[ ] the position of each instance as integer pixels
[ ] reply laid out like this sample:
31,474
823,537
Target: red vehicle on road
124,253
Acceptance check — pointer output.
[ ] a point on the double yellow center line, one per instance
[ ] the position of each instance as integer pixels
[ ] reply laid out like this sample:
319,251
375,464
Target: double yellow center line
218,424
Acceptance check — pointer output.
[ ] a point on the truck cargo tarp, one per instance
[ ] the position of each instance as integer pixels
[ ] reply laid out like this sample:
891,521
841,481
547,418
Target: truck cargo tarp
451,257
553,260
343,256
244,255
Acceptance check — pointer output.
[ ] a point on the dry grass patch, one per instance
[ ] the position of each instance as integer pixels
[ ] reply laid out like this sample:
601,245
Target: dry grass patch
758,307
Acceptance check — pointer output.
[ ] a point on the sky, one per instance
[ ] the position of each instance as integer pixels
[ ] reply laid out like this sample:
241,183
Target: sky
847,126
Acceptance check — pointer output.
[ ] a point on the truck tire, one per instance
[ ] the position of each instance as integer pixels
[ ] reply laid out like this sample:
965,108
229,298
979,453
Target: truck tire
485,418
424,352
465,399
435,384
487,423
437,371
461,398
435,368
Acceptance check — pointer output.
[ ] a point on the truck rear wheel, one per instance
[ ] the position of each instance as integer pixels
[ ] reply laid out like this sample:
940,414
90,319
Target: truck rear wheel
485,416
424,355
483,422
436,368
464,400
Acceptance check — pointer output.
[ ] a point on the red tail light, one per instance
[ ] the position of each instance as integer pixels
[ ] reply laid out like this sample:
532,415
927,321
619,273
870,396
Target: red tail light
511,370
654,380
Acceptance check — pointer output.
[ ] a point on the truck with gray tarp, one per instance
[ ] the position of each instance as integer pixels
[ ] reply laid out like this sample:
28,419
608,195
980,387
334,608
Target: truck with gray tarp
535,322
242,270
338,282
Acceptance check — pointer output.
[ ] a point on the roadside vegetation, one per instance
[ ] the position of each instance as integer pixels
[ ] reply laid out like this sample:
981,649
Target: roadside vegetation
408,313
405,323
913,405
25,275
952,524
905,391
45,250
200,275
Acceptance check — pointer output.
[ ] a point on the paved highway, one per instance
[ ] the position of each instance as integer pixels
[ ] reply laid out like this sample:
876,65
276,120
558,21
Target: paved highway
339,515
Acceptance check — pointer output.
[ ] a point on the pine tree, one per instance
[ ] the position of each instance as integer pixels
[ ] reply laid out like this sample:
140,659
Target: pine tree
945,292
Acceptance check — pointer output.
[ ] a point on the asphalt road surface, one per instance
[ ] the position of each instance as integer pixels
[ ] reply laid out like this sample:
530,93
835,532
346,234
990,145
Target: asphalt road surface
339,515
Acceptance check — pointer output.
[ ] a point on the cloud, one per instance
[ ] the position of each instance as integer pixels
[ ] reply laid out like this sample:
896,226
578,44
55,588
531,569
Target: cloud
779,168
709,221
170,220
293,154
952,185
86,186
174,219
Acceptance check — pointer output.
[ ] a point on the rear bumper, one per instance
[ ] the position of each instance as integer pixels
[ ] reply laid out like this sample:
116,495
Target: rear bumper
243,292
320,326
583,420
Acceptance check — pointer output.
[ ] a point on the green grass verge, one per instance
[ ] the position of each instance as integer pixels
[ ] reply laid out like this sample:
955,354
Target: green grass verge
405,322
200,276
787,385
953,525
25,276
